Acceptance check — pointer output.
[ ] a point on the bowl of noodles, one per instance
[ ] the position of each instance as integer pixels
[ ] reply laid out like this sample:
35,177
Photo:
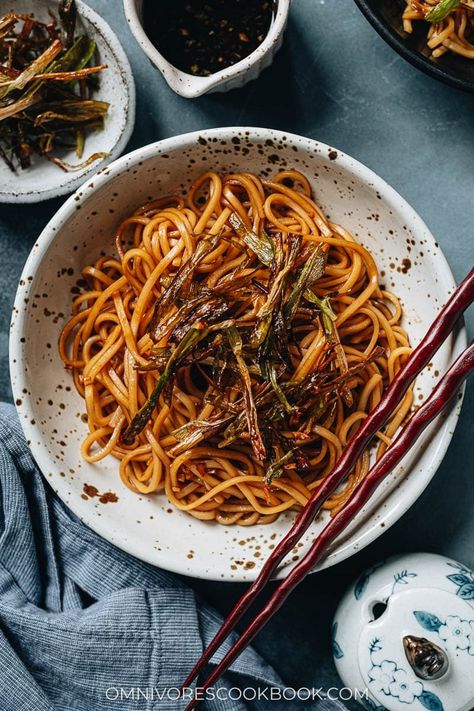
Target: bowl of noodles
201,328
436,36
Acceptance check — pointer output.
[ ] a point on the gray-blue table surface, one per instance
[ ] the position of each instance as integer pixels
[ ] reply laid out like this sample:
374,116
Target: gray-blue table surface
336,81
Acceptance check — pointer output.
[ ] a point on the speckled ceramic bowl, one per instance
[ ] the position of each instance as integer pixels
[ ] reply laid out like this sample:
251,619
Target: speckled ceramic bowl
231,77
50,410
44,180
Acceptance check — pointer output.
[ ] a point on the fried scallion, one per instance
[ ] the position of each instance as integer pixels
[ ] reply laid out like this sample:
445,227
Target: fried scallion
200,331
139,421
235,342
441,10
261,246
276,468
48,76
204,246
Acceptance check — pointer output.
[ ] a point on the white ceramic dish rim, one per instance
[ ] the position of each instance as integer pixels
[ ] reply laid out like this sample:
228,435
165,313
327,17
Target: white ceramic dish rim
191,86
106,175
73,181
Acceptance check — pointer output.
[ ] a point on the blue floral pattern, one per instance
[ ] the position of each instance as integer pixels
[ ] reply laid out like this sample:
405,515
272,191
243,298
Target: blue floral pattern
402,577
363,581
464,580
456,633
386,677
336,648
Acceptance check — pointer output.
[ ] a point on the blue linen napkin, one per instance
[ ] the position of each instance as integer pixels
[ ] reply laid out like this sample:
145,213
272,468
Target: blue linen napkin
87,627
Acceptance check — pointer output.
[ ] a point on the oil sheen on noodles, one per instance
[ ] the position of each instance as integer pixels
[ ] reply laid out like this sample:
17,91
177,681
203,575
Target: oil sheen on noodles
231,347
451,25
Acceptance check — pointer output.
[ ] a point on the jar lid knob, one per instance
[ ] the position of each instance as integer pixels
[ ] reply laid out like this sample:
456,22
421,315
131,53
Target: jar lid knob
427,660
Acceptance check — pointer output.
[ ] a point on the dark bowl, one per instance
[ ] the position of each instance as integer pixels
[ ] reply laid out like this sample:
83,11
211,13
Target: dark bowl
386,17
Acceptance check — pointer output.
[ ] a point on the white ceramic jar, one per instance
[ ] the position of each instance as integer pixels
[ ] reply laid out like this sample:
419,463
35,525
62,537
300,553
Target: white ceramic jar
404,635
229,78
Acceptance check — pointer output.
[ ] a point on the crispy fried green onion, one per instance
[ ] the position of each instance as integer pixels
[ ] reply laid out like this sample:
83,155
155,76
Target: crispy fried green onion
77,56
68,12
269,373
317,411
208,311
179,317
219,365
328,318
41,109
71,111
193,336
261,246
275,470
233,430
67,167
37,66
441,10
204,246
312,270
325,309
235,342
266,313
80,142
191,433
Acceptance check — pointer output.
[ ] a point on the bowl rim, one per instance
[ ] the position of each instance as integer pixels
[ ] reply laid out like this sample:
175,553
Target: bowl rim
73,180
188,85
389,515
415,58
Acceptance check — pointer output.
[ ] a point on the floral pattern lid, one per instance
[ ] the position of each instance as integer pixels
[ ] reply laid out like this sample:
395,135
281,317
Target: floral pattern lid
387,671
403,635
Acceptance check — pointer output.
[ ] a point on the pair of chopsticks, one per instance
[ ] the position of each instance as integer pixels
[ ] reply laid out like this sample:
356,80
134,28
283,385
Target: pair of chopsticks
441,396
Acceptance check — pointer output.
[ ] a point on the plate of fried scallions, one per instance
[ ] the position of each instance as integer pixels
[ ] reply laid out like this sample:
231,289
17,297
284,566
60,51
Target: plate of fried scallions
67,97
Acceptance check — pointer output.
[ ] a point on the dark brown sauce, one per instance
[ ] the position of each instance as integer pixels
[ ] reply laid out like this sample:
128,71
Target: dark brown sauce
202,37
90,491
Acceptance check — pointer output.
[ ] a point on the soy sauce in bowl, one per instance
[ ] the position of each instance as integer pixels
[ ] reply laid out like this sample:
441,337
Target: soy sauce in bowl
203,37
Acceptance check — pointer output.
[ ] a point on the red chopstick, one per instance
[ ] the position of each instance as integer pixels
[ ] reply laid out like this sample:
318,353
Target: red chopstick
438,401
442,326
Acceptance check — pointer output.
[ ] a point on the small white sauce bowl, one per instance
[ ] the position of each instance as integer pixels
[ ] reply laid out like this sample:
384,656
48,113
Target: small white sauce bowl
231,77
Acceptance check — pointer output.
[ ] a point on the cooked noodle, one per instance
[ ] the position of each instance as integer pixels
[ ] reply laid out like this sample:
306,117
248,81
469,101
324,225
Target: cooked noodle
110,346
454,33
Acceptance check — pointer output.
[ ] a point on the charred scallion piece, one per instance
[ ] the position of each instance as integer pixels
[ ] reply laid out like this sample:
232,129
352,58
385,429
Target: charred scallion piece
235,339
262,247
311,271
270,373
140,420
192,433
328,319
68,14
48,76
441,10
281,269
235,342
276,468
204,246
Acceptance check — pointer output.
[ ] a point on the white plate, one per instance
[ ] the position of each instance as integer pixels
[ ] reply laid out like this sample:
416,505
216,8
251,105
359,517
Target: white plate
148,527
44,180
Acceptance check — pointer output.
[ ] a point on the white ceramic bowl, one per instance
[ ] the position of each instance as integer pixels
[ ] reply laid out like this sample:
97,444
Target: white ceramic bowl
44,180
50,411
230,78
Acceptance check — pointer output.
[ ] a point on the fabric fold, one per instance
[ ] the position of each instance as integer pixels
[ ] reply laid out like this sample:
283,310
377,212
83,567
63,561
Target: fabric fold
85,626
